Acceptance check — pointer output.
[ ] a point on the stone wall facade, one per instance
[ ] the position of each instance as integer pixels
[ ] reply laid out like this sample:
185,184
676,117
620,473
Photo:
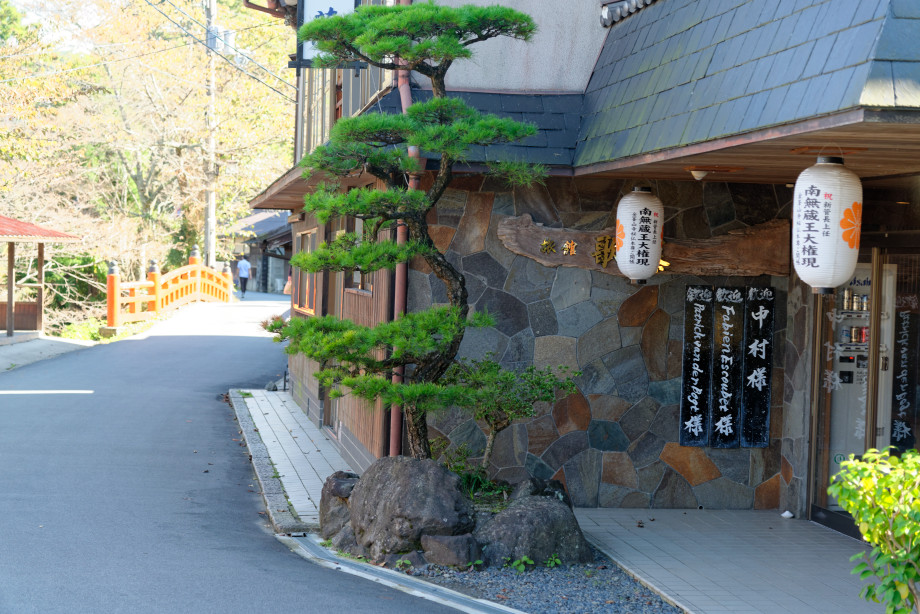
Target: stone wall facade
614,443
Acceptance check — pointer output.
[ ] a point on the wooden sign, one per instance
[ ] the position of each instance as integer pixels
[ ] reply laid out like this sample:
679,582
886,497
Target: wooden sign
904,378
727,363
759,321
758,250
697,367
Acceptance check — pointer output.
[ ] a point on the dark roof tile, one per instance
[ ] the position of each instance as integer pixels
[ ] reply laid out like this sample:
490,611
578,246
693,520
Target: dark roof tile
687,71
521,103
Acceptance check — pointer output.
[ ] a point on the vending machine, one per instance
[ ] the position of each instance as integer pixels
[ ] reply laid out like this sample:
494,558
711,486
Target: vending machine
846,381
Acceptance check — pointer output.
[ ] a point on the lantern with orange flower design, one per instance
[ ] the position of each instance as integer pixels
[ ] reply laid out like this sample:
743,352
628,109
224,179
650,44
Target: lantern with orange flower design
826,221
640,218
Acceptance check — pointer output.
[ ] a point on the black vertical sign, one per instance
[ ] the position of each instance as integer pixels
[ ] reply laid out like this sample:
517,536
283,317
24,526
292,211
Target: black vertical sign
727,359
904,384
758,367
697,367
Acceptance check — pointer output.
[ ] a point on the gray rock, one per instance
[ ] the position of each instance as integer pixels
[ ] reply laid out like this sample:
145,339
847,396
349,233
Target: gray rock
413,558
399,499
529,280
536,527
482,264
520,348
537,468
570,287
419,292
344,541
646,449
469,434
536,487
607,436
599,340
477,342
582,477
723,494
333,504
577,319
595,378
565,448
458,550
542,316
666,392
674,492
639,418
627,367
510,314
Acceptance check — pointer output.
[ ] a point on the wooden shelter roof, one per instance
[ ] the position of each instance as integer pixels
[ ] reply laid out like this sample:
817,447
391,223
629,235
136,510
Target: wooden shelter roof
24,232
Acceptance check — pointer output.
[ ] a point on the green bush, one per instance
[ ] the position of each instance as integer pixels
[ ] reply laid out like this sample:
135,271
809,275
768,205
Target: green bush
882,493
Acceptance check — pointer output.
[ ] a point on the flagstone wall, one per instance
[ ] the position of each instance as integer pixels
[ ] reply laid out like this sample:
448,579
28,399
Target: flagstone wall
614,443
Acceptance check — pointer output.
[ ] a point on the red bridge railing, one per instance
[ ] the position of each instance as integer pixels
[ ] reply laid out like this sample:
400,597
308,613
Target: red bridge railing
141,300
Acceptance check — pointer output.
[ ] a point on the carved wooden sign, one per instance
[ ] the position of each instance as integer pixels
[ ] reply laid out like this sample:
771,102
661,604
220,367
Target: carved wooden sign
727,367
904,388
697,367
759,320
759,250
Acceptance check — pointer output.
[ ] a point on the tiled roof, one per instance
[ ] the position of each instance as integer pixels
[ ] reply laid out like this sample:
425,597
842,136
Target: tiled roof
15,230
557,117
688,71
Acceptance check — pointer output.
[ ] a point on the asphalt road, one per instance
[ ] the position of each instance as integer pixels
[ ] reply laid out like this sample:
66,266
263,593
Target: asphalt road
137,496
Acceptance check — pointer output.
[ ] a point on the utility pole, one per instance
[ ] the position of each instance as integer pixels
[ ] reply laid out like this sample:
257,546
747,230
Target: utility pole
210,222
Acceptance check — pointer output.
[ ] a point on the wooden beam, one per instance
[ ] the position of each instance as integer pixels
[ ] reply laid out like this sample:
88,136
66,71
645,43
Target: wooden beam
764,249
10,279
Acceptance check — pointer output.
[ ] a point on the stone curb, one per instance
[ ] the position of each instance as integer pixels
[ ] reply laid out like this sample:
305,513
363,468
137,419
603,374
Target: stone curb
280,514
637,576
310,548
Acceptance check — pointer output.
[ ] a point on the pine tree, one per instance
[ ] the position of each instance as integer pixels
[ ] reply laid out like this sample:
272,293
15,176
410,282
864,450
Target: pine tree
427,39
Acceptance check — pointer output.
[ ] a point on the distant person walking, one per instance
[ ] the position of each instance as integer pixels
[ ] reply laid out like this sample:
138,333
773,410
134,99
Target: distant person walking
242,271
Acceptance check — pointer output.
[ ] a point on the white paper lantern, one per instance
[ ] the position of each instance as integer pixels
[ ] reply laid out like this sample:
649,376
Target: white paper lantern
826,223
640,221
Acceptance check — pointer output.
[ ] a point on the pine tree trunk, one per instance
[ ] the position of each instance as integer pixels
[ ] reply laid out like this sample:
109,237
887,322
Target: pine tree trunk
417,430
490,443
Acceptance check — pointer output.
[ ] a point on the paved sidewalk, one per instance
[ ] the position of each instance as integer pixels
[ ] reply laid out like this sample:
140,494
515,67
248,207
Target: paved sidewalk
733,560
26,348
302,456
702,560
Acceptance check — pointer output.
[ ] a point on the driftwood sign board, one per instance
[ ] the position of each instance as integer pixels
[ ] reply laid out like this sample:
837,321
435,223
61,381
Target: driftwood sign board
904,386
759,250
727,367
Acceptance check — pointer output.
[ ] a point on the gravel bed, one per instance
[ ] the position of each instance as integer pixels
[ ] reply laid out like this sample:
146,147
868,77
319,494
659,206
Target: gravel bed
601,586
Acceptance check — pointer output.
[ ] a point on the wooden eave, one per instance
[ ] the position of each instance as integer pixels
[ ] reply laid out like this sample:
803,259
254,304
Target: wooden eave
288,190
881,146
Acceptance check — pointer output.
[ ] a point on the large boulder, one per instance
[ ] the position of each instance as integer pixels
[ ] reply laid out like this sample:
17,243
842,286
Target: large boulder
333,504
456,550
399,499
533,526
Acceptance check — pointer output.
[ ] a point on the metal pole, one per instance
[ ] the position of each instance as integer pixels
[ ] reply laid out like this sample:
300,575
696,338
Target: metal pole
210,224
10,283
298,116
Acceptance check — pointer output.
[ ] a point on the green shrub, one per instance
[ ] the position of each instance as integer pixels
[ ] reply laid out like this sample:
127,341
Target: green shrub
882,493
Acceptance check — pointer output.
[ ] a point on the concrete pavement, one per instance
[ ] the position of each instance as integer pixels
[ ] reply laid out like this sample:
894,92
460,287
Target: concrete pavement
126,486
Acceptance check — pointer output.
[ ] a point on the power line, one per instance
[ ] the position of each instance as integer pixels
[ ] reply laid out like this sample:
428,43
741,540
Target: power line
228,60
198,23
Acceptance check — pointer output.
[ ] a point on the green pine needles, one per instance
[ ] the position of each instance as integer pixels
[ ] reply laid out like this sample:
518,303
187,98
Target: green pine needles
427,39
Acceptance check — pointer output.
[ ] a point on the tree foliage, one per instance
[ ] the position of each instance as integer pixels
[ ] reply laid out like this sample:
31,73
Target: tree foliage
882,493
104,130
499,396
425,38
